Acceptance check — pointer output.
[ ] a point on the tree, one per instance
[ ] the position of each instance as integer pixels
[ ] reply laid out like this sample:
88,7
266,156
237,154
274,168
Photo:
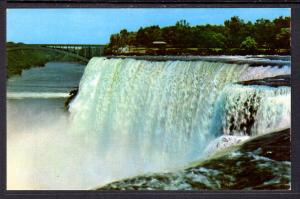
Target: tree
182,23
249,44
283,38
209,39
168,35
282,23
232,35
264,33
145,36
283,32
234,31
123,37
183,34
114,40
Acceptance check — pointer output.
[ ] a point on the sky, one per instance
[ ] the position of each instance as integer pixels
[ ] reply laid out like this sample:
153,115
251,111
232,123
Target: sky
94,26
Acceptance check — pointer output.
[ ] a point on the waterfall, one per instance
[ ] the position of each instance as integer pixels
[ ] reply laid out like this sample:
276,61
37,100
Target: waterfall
253,110
166,112
132,117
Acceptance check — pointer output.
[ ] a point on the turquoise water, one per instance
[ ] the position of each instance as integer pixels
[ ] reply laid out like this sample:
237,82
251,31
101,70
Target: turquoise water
54,77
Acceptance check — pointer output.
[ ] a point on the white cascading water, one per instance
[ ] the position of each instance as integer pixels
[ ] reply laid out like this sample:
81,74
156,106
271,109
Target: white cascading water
254,110
245,111
161,113
158,112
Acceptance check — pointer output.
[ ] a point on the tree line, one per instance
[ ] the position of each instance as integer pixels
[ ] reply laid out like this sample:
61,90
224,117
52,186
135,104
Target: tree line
235,35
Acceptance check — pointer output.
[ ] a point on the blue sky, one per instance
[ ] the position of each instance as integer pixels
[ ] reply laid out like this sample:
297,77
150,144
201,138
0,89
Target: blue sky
94,26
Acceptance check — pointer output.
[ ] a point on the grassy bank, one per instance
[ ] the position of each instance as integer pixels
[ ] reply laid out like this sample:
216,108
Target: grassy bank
19,60
144,51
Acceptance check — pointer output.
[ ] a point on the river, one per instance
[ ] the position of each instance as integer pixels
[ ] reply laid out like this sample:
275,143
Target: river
37,125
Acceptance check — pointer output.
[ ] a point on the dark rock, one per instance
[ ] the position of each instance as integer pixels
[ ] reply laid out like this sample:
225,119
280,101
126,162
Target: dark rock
248,121
275,146
281,80
72,95
261,163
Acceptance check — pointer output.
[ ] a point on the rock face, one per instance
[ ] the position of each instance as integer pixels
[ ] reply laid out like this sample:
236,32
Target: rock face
72,95
260,163
275,146
281,80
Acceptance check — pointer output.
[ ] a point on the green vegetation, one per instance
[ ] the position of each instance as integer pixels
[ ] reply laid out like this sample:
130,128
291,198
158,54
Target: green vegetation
234,37
18,60
249,44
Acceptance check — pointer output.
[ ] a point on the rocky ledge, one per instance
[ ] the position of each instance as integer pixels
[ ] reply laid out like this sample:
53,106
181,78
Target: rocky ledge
258,62
260,163
72,95
281,80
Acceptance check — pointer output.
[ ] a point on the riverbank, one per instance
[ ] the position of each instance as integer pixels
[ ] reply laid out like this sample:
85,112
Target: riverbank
171,51
19,60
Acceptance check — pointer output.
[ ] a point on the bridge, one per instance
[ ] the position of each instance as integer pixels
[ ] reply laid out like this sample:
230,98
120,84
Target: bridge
82,52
